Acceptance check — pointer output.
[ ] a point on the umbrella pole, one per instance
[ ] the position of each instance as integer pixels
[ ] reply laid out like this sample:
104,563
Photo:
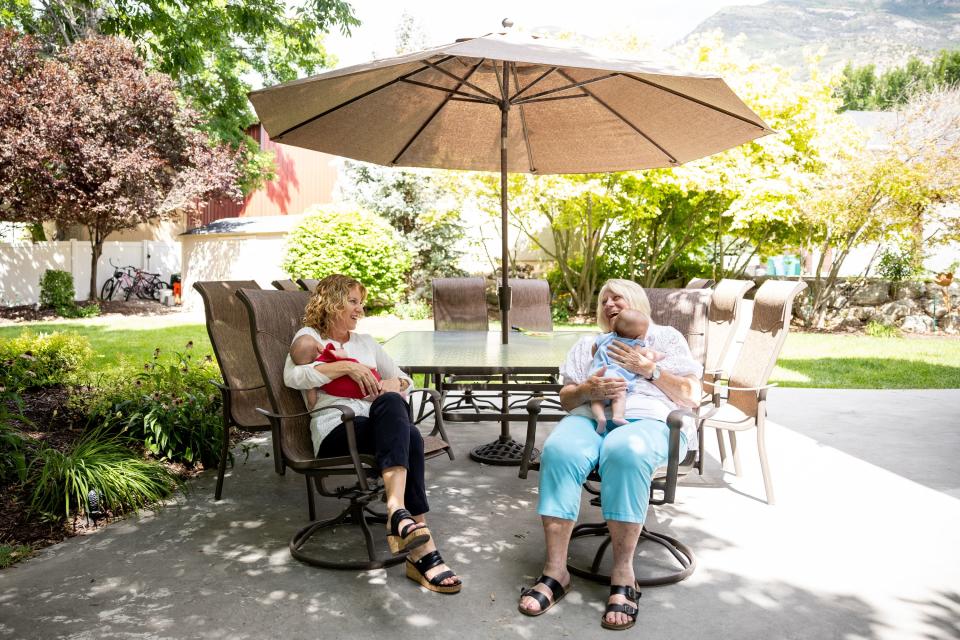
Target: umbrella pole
504,292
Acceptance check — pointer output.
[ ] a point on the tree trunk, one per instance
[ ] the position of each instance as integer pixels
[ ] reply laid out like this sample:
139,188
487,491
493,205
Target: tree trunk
96,250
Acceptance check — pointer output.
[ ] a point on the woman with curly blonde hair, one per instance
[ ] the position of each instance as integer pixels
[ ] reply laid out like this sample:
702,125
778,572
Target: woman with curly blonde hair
382,424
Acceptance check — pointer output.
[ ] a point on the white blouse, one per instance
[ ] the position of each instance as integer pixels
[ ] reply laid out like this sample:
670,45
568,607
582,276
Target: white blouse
362,348
646,401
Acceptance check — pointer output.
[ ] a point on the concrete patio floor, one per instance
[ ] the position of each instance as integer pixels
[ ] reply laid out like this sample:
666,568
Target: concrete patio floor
862,543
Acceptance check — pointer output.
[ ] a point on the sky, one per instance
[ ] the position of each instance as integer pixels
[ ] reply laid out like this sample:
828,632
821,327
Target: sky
659,22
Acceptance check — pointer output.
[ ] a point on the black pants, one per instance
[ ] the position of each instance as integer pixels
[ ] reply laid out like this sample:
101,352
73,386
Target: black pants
389,435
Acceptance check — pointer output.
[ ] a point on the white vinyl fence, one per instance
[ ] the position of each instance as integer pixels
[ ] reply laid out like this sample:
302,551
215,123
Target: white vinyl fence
22,265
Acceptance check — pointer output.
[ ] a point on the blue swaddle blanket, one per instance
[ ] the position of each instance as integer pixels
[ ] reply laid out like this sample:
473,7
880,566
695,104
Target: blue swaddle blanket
602,359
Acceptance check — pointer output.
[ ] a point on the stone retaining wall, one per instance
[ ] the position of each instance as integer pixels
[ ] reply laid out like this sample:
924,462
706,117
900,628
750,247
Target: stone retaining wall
915,307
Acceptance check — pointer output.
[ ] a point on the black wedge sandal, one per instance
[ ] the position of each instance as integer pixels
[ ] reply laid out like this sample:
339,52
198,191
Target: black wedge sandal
633,596
417,571
410,537
556,589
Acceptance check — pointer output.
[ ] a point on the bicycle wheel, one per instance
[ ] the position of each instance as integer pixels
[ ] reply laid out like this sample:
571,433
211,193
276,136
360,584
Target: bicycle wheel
128,291
108,289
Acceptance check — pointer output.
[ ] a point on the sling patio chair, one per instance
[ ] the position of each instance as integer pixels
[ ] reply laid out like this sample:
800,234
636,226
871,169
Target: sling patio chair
530,305
685,310
242,390
460,304
275,316
741,404
286,285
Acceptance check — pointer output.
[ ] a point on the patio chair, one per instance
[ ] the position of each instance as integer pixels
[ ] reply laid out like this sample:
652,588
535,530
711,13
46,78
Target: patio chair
242,390
744,406
530,305
699,283
286,285
686,310
308,284
275,316
460,304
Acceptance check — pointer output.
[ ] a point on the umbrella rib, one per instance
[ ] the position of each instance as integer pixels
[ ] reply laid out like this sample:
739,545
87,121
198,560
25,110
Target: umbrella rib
426,123
552,98
542,76
427,85
606,106
695,100
523,124
462,80
351,101
573,85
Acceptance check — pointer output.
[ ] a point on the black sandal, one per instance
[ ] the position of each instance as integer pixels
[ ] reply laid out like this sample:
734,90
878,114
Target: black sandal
410,536
556,589
417,571
633,596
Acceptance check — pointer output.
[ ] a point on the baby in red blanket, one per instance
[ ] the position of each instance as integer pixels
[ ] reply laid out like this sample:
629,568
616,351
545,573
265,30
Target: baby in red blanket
342,387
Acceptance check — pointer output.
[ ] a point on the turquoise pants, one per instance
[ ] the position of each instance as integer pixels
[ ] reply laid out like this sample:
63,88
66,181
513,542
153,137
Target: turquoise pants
627,456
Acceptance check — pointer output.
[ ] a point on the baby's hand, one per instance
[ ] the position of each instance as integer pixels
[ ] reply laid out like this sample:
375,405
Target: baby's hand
650,354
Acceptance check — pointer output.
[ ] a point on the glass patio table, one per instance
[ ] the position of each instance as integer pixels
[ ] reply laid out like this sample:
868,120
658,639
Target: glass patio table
530,363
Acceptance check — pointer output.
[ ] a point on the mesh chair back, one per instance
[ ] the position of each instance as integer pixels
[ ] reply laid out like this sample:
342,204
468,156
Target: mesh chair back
460,304
308,284
286,285
275,316
686,311
530,305
772,310
724,309
229,329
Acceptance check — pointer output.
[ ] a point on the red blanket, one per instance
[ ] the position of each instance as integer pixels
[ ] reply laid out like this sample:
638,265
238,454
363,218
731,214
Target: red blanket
344,386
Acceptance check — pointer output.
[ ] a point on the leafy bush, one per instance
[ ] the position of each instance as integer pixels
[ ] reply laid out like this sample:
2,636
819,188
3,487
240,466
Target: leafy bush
42,360
61,481
896,265
170,406
356,243
56,290
418,310
13,445
880,330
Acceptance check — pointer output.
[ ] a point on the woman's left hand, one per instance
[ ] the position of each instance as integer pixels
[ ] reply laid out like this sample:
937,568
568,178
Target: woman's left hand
633,358
390,384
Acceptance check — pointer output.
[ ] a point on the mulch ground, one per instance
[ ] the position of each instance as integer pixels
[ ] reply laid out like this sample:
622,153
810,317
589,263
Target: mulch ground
134,307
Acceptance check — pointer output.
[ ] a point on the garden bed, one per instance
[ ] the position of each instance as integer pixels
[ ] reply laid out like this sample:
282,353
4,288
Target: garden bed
31,313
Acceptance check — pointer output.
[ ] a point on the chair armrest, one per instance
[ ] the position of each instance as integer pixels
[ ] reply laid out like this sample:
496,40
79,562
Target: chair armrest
533,413
346,413
675,420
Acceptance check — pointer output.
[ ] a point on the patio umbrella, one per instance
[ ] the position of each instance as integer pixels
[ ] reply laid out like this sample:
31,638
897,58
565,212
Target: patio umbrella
509,103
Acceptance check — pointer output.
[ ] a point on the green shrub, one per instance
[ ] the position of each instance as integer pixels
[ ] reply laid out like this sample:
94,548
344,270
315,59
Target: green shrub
880,330
170,406
56,290
357,243
13,445
896,264
42,360
59,482
417,310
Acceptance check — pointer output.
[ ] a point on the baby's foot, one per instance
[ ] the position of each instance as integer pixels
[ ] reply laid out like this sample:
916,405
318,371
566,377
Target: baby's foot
619,421
602,426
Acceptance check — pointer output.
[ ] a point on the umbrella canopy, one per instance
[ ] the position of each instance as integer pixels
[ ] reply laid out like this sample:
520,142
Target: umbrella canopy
510,103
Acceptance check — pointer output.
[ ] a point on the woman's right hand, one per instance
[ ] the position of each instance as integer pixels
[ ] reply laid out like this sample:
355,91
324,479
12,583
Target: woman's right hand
596,387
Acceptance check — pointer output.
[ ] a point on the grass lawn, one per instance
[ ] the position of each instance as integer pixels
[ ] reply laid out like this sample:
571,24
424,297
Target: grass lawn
808,359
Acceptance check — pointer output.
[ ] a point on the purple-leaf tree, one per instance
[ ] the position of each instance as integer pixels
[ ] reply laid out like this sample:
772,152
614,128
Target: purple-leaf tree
91,138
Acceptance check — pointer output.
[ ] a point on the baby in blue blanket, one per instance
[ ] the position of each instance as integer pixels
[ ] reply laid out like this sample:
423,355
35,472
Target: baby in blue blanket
629,327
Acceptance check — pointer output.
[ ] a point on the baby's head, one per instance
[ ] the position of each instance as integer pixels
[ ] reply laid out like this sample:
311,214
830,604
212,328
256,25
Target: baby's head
631,323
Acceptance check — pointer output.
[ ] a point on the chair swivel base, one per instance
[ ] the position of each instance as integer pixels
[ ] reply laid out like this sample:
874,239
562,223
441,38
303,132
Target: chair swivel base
353,515
501,452
683,555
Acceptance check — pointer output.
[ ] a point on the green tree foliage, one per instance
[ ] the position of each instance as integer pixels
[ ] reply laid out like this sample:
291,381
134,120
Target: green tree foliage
863,90
414,204
353,242
91,138
210,48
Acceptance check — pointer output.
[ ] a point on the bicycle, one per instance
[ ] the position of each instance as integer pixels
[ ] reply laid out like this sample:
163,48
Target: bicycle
132,280
148,285
122,279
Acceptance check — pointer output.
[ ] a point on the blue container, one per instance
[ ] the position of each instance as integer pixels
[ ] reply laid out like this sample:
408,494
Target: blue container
791,266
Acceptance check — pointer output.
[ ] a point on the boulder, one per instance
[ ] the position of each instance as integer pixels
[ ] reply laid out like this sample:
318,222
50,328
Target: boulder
873,292
912,290
917,324
950,323
893,312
